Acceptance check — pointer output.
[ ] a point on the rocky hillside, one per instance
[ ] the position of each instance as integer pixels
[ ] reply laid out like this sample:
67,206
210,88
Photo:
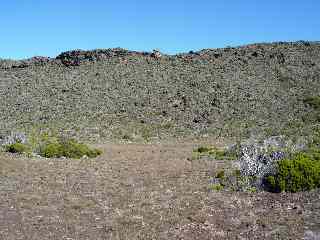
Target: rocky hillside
120,94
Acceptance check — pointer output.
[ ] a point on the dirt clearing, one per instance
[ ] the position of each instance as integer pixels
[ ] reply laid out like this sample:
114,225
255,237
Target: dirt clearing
142,192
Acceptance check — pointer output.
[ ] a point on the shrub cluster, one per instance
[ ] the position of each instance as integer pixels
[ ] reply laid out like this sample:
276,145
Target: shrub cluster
50,146
302,173
68,148
16,148
213,152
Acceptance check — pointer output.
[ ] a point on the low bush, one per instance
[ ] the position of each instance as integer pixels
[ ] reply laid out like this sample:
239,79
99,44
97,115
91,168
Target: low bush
68,148
233,180
16,148
51,150
252,189
302,173
236,173
220,174
216,187
203,149
213,152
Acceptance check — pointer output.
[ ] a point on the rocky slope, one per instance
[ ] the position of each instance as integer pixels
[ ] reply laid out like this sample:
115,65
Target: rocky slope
120,94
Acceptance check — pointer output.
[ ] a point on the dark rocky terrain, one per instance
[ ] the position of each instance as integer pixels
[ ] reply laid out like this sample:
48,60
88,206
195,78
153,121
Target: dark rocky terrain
118,94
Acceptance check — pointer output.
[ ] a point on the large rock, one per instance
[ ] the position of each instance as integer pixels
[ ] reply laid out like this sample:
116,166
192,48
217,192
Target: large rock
258,158
13,138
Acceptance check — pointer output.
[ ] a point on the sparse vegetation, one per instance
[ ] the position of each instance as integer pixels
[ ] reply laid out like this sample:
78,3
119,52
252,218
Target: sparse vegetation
202,150
71,191
236,173
181,95
216,187
232,180
214,153
313,101
252,189
315,141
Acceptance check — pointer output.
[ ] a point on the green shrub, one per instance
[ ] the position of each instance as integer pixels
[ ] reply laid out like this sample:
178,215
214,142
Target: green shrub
302,173
313,153
202,149
216,187
271,181
68,148
52,150
252,189
237,173
313,101
220,174
218,153
213,152
16,148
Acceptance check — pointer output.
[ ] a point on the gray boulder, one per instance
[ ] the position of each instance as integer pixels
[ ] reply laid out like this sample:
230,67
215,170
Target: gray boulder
14,137
258,158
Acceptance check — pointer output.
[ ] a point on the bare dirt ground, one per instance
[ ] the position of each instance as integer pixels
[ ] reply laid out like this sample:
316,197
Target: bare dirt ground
142,192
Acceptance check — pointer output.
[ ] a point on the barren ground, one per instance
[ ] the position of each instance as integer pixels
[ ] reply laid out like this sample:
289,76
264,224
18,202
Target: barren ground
141,192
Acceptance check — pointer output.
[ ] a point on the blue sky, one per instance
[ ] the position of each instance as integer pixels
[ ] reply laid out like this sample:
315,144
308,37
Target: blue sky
48,27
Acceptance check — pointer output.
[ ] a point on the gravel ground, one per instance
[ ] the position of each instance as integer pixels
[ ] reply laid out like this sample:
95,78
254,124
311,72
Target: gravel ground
142,192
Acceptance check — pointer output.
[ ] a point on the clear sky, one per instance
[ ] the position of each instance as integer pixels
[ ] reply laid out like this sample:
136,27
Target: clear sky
48,27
